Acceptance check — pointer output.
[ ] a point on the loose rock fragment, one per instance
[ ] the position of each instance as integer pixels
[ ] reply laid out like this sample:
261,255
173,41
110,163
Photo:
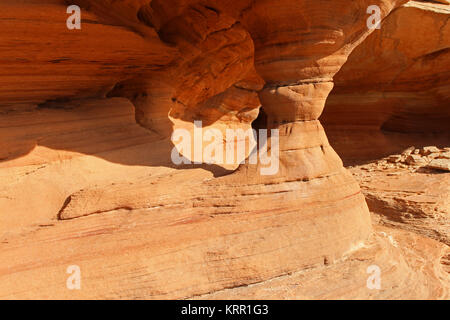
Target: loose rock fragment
425,151
395,158
440,164
415,159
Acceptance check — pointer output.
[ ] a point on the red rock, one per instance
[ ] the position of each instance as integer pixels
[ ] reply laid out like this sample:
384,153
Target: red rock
415,159
440,164
425,151
86,176
400,77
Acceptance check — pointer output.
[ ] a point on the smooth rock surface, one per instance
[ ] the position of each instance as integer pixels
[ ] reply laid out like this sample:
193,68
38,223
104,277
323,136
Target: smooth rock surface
394,91
87,179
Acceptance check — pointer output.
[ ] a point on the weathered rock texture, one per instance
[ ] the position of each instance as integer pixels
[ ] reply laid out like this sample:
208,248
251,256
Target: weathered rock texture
410,190
395,89
86,175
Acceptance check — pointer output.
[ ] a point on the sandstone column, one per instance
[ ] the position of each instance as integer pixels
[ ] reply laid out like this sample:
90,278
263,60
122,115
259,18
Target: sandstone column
299,47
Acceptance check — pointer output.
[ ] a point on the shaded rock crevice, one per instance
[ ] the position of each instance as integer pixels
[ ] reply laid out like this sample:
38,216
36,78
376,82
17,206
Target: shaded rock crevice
125,210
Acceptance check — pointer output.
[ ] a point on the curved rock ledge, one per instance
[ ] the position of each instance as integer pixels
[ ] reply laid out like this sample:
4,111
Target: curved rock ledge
86,118
400,77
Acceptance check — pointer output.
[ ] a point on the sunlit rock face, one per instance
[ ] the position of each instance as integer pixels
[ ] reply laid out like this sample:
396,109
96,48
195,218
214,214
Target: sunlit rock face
394,92
87,178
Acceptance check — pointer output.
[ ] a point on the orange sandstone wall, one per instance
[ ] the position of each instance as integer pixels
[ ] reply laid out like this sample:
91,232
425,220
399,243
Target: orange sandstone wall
394,91
85,123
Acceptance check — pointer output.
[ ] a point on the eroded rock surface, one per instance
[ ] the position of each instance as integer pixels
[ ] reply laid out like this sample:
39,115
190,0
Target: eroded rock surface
86,118
394,91
409,193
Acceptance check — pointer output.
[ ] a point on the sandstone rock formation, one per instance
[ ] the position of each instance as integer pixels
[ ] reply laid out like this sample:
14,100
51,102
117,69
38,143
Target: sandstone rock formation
86,118
400,77
410,191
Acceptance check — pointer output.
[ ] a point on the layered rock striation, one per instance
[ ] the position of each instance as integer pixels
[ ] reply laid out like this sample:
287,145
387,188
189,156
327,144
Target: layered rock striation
400,78
86,118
